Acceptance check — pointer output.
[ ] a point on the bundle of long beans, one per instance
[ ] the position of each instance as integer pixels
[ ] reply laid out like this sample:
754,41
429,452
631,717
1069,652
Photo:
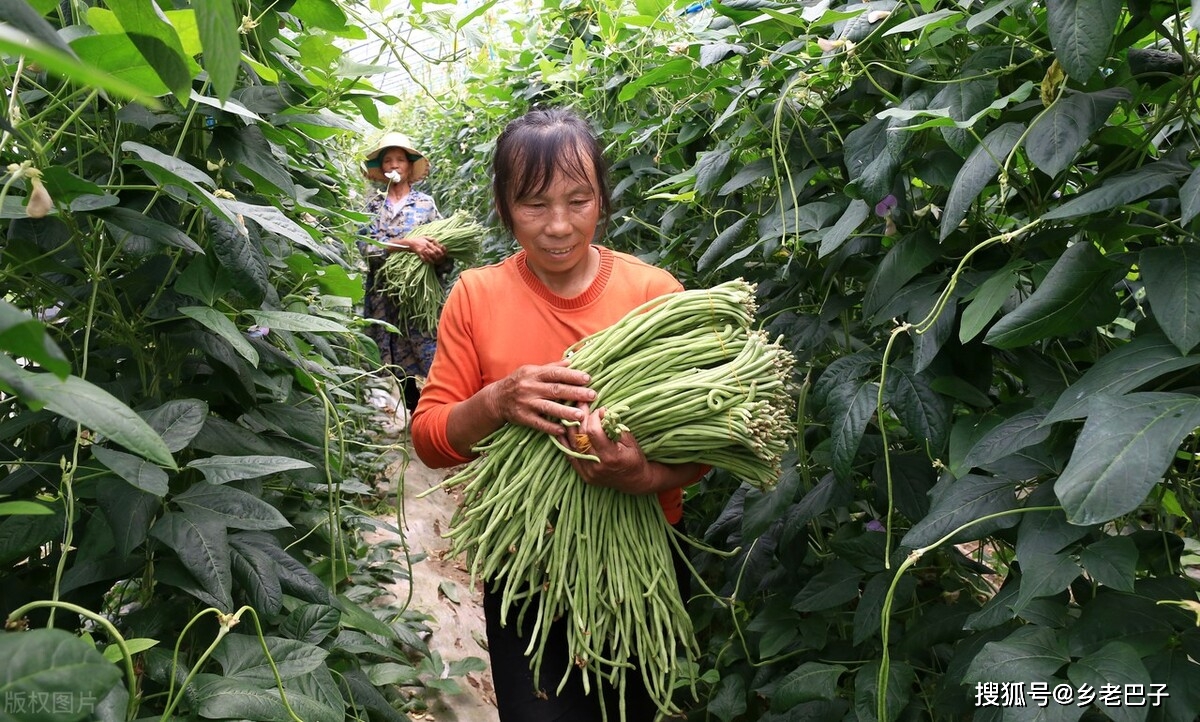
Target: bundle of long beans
414,283
687,376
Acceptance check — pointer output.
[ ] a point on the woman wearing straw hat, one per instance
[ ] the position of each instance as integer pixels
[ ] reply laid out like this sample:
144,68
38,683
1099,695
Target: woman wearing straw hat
395,165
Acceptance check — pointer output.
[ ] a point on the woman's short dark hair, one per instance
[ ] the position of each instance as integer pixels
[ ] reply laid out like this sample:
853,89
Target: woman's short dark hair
536,146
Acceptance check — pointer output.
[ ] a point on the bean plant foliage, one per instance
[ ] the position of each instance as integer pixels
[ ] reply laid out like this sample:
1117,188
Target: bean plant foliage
183,448
975,224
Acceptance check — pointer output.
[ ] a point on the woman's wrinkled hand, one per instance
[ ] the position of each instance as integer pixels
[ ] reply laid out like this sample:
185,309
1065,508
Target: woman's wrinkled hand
622,466
539,396
425,247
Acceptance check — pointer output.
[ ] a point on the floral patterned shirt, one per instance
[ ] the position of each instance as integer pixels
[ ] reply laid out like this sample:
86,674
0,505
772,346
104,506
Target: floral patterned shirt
389,220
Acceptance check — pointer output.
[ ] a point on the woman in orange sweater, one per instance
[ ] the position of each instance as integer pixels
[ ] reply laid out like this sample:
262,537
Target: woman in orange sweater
501,339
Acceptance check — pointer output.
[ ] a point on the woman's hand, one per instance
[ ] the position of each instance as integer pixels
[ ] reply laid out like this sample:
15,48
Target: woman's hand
426,248
622,466
538,396
533,396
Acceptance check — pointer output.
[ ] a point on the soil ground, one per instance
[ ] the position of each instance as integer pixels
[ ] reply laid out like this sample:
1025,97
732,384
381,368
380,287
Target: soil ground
440,585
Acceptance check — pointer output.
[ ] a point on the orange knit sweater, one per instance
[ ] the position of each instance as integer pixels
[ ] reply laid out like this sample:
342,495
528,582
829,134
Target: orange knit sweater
501,316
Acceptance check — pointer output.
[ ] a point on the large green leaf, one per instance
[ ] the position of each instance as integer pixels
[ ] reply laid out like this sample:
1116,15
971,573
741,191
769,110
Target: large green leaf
258,578
912,254
52,664
869,610
1113,664
1045,532
1119,371
834,585
204,279
356,616
177,421
1076,294
963,99
202,546
232,507
22,17
22,535
23,336
117,57
271,219
295,578
928,344
242,257
1119,190
221,469
1189,195
100,411
810,681
1176,670
248,148
1043,575
23,508
333,280
311,622
851,406
170,171
355,642
1172,277
390,673
156,40
720,245
987,298
1116,616
360,689
1125,447
127,225
1112,561
998,608
1056,136
965,500
649,78
833,237
1080,32
1019,431
218,25
710,167
23,33
241,656
290,321
728,700
873,156
137,471
220,324
325,14
129,512
762,509
226,698
1029,653
747,174
977,172
924,412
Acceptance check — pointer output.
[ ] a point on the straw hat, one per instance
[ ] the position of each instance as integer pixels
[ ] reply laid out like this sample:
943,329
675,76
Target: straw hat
420,166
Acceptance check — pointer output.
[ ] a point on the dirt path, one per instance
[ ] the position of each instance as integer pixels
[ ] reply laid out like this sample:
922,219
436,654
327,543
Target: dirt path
440,587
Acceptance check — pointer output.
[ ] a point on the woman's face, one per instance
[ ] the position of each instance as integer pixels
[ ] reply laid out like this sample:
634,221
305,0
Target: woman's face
395,159
556,227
